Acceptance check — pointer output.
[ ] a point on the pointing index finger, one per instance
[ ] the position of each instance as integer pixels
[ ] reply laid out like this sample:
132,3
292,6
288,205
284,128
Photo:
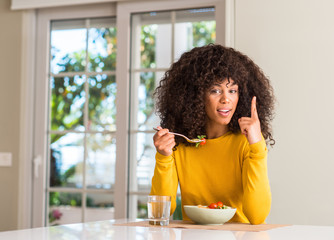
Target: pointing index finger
254,111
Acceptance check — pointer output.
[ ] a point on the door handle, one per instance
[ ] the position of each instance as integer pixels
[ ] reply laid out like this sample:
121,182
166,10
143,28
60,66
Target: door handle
37,163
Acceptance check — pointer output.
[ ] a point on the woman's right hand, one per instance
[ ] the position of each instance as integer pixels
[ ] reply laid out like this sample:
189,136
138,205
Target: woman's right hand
164,141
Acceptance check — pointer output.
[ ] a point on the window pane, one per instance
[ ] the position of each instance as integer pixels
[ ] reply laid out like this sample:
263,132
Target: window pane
194,28
100,165
142,99
102,45
142,169
64,208
67,154
102,106
100,206
69,57
138,206
154,48
67,103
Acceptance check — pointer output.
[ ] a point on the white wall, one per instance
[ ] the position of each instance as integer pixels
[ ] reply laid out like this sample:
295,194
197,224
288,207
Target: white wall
293,42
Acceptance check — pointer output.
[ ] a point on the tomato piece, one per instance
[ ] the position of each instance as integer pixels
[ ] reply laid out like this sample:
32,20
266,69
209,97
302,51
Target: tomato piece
220,204
213,205
203,142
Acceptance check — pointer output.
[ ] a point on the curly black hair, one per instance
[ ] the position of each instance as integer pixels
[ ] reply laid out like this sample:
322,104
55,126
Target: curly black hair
181,92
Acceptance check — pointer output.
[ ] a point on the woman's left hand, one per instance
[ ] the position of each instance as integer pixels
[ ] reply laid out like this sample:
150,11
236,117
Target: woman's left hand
250,126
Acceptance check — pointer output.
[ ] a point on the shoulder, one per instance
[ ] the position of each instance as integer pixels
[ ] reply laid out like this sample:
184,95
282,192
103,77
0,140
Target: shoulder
238,142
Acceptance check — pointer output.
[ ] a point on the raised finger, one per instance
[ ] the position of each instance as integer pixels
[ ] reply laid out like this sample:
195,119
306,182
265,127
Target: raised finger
253,109
245,120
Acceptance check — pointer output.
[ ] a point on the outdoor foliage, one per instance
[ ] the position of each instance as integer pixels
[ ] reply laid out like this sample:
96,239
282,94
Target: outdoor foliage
67,101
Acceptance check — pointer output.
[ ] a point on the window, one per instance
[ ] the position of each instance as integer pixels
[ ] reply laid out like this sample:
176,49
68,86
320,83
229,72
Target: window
158,39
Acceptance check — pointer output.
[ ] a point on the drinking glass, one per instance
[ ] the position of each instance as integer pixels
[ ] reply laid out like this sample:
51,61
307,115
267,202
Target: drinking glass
158,209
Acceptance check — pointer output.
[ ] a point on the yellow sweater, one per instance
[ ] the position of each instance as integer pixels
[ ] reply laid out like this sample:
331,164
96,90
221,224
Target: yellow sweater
225,169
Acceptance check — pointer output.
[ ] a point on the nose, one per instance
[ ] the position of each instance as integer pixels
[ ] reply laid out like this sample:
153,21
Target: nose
224,99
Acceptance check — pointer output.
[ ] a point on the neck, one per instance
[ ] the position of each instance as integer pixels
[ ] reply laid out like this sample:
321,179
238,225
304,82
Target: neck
215,132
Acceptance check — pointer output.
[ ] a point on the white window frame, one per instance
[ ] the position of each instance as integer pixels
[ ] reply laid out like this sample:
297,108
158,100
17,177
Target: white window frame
41,152
35,60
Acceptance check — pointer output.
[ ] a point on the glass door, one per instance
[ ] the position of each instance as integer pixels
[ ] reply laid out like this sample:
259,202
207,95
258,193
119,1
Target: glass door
158,39
81,127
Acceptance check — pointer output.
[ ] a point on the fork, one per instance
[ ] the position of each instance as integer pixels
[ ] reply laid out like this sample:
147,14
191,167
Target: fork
194,140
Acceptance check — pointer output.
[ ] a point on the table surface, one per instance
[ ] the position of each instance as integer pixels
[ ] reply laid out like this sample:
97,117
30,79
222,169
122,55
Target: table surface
106,230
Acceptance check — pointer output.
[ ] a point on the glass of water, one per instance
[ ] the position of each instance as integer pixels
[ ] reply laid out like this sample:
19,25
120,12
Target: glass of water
158,209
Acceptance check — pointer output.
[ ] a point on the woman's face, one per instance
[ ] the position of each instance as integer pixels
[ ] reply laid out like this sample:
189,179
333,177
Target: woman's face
220,104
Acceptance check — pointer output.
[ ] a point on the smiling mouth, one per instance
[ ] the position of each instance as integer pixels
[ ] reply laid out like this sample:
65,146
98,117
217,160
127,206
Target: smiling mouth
224,112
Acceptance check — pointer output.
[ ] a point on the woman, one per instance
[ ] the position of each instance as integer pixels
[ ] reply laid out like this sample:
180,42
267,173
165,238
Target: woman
221,93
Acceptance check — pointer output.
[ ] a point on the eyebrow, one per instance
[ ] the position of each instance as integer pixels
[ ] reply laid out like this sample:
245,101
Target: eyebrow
229,84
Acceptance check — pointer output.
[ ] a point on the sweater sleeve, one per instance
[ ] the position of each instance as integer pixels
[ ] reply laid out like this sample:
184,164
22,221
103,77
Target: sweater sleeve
165,180
257,195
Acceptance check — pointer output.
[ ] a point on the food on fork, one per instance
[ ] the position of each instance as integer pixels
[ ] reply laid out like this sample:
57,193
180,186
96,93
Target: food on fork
203,140
198,140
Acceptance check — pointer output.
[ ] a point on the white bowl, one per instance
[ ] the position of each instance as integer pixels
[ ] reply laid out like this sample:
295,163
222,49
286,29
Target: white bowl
209,216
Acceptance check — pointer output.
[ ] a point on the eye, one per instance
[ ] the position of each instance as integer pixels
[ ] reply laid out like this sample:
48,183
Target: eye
215,91
233,91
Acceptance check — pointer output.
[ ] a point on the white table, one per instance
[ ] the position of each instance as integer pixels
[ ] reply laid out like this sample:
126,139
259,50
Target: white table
106,230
